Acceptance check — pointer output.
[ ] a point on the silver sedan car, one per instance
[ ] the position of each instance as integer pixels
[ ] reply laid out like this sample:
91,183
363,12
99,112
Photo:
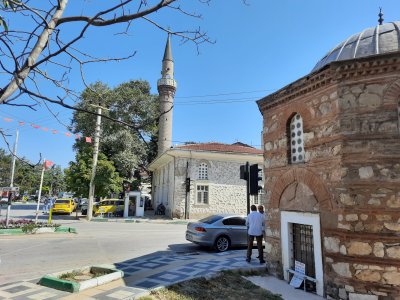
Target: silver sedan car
219,231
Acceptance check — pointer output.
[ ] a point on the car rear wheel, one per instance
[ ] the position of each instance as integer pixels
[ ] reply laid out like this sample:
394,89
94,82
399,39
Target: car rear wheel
222,243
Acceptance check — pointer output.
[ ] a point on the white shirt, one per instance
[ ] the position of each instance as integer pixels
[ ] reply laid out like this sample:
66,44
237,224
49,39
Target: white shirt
255,223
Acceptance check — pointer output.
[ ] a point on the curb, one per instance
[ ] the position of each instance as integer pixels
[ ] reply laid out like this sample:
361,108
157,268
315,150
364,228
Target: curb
18,231
52,280
59,284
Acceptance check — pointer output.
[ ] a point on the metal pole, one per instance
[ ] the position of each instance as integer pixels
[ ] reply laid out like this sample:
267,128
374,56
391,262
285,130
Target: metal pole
248,186
94,165
186,192
40,192
12,173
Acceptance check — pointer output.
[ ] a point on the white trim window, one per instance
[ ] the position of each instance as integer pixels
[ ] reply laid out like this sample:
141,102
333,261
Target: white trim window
203,171
202,194
296,140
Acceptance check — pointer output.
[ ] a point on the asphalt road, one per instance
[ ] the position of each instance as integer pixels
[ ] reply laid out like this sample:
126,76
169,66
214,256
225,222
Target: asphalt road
31,256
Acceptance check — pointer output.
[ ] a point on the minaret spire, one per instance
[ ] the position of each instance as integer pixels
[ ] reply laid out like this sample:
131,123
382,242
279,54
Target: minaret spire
168,51
166,89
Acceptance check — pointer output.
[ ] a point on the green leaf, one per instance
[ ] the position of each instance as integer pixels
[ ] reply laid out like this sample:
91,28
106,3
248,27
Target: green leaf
3,23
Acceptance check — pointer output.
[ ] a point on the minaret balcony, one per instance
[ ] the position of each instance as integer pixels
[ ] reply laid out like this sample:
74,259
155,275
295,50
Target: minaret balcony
167,82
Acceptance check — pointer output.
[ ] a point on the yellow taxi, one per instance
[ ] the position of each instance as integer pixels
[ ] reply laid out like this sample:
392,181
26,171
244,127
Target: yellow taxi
64,205
108,207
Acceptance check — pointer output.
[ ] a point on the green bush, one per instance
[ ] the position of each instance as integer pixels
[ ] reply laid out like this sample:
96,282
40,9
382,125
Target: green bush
29,228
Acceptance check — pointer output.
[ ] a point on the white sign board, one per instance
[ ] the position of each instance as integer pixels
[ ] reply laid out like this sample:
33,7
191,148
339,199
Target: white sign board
299,267
9,189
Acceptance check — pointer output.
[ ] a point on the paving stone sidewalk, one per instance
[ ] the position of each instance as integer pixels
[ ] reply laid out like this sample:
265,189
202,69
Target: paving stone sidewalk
141,275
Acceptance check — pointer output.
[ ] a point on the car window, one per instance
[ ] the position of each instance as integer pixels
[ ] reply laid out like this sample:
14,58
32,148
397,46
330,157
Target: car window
62,201
235,221
211,219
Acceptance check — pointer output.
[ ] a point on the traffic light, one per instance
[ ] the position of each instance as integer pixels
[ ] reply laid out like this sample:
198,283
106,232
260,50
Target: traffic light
187,184
254,179
244,172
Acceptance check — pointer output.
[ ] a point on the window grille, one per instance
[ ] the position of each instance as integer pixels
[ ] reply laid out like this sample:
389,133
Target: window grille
203,171
303,251
296,140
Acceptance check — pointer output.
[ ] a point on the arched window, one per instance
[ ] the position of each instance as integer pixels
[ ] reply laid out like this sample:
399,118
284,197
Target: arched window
296,140
203,171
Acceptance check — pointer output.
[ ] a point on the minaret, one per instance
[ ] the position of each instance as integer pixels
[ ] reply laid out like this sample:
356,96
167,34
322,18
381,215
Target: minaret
166,89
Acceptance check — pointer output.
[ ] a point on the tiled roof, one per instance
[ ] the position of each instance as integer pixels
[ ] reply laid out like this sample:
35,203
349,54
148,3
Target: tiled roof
219,147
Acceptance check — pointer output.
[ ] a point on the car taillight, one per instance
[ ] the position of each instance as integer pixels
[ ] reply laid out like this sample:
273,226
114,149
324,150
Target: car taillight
201,229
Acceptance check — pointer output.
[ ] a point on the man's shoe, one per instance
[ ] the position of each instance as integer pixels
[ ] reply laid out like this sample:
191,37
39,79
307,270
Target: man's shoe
262,261
248,260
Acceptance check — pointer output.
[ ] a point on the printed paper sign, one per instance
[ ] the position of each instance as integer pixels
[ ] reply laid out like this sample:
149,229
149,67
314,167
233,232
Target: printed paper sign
299,267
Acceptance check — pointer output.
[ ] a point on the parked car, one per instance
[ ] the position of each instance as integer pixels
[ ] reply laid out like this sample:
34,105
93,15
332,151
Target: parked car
64,205
4,200
221,231
114,207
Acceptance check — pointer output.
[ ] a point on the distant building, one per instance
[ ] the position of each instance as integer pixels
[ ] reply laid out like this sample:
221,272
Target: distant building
212,168
332,165
213,171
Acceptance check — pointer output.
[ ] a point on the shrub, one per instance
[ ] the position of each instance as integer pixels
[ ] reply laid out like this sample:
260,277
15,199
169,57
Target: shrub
21,223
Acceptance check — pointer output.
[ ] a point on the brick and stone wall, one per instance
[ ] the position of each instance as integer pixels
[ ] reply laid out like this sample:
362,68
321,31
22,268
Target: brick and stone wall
351,174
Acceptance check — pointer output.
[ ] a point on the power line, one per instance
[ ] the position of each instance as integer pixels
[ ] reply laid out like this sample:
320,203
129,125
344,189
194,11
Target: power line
217,101
227,94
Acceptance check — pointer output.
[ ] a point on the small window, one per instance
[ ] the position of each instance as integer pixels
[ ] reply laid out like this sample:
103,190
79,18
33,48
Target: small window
203,171
202,194
235,221
296,139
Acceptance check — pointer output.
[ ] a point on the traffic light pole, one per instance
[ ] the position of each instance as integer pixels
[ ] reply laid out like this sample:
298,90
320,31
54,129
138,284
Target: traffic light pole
248,186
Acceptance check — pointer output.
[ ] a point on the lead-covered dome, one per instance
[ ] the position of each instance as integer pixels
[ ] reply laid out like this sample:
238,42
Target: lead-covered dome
381,39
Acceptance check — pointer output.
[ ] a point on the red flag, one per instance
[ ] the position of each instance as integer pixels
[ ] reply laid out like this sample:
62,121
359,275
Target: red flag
21,123
54,131
35,126
45,128
47,164
7,119
88,139
77,136
67,134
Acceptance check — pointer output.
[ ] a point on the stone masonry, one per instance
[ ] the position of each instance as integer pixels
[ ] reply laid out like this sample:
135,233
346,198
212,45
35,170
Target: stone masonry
351,173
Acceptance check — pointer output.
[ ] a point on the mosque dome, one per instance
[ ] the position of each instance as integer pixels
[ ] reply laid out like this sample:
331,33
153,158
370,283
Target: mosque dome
377,40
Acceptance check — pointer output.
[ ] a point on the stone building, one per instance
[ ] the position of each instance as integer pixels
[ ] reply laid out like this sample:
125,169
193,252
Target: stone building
332,165
214,173
212,168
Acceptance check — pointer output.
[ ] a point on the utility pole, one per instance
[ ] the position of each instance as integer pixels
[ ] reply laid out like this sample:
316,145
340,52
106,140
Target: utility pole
12,173
40,191
94,165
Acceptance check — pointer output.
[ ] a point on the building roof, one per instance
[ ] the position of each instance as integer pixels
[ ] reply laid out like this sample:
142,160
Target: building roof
219,147
377,40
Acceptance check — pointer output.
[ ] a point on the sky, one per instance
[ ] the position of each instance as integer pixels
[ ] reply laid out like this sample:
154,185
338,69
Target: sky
260,46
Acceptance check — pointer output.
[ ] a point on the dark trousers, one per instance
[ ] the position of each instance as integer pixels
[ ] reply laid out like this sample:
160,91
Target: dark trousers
259,246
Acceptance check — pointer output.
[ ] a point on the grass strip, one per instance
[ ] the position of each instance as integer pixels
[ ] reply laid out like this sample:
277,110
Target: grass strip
226,285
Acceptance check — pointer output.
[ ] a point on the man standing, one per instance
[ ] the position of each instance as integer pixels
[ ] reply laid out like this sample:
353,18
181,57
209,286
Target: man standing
255,223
